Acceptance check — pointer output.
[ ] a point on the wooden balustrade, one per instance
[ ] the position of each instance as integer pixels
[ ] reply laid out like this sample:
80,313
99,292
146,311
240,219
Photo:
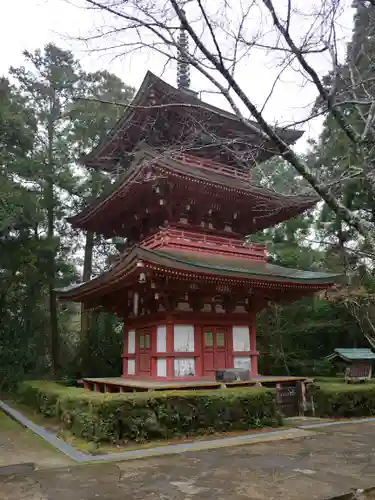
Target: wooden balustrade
204,243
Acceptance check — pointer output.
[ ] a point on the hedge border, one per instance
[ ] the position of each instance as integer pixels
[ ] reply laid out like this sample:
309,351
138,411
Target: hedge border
341,400
141,417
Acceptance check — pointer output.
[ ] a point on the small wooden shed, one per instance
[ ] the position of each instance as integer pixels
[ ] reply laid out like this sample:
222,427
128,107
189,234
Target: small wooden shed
358,363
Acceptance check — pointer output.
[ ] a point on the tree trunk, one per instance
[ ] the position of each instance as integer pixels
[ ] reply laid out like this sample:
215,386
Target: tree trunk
87,272
54,328
51,271
85,313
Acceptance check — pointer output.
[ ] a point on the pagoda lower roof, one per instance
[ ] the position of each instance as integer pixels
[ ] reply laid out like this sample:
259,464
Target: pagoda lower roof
196,267
159,108
263,207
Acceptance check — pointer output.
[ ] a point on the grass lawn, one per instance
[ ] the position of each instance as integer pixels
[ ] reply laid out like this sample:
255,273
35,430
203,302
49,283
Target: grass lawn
20,445
339,384
7,424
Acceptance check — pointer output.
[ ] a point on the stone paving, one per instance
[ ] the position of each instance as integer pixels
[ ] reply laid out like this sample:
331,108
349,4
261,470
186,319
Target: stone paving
328,463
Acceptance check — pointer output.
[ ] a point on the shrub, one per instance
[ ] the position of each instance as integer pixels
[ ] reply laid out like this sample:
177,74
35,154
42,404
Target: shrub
146,416
335,399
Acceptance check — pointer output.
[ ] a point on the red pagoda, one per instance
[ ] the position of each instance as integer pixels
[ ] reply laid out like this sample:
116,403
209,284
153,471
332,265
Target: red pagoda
188,285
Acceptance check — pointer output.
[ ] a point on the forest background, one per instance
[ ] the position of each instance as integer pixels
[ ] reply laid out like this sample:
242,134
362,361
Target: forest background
51,112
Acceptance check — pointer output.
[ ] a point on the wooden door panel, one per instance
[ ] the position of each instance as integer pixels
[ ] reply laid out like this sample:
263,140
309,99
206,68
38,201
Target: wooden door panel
215,341
220,358
144,363
208,364
143,340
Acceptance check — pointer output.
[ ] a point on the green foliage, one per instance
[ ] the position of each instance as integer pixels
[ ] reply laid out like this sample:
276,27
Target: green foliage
335,398
146,416
301,333
43,130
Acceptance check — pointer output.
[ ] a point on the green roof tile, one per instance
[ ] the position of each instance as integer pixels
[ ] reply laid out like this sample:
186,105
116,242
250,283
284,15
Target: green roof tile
351,354
219,264
205,264
355,354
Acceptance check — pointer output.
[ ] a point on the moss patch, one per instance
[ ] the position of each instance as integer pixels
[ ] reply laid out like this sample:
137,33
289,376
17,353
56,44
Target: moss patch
7,424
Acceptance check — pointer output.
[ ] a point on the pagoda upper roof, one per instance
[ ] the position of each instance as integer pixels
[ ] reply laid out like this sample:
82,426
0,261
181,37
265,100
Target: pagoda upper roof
197,267
261,207
159,115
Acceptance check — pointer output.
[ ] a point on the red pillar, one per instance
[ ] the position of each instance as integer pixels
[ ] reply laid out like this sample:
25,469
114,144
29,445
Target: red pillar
169,342
198,348
125,351
253,348
230,353
153,351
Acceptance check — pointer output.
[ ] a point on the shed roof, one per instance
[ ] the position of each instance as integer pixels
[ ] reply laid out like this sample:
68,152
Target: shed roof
352,354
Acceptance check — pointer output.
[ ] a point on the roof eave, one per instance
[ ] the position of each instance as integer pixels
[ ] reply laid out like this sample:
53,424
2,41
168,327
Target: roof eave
290,136
76,220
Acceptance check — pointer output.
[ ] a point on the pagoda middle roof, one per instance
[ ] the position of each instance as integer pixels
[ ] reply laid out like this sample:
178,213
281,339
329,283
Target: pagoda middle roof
155,95
195,265
265,207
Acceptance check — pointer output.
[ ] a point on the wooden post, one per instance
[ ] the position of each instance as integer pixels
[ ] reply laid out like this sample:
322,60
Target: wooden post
253,348
301,395
170,347
198,347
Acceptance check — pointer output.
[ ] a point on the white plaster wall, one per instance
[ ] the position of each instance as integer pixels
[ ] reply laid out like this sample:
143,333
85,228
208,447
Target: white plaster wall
161,338
184,367
161,367
131,366
131,341
241,338
136,304
242,362
183,338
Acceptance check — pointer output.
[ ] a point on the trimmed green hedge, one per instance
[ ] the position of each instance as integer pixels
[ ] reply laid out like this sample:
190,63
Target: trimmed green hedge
339,399
149,416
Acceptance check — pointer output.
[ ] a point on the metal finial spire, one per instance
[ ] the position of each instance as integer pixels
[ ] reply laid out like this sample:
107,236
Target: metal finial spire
183,68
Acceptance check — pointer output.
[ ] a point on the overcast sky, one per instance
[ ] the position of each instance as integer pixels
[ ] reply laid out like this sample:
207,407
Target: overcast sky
30,24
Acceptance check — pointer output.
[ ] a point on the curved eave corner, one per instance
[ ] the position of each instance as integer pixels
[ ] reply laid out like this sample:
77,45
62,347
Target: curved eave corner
89,158
65,293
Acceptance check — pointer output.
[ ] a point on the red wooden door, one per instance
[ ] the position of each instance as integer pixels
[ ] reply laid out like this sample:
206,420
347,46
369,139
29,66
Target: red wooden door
215,341
144,352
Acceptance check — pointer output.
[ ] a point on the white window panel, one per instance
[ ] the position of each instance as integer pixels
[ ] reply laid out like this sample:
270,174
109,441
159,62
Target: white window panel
183,338
161,367
241,338
161,338
131,341
184,367
242,362
131,366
